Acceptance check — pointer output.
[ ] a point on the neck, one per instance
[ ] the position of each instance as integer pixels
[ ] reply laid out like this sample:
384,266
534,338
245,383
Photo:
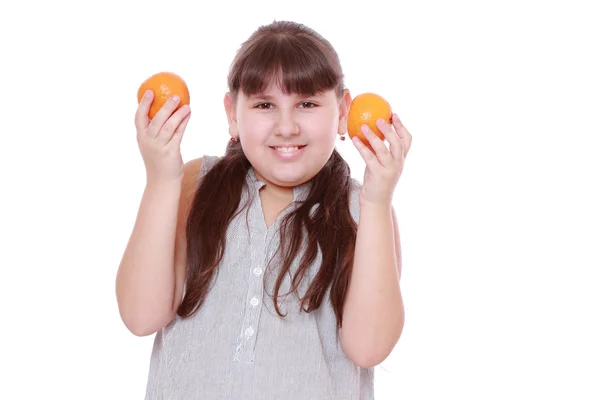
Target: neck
277,192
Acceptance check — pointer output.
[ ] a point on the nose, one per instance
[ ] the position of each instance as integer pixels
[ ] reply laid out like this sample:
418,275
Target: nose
287,124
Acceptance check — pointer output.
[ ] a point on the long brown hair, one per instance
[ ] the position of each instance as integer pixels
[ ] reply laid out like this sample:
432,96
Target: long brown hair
305,63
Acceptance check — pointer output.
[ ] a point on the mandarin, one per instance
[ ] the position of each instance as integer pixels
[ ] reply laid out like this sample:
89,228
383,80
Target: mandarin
366,108
164,85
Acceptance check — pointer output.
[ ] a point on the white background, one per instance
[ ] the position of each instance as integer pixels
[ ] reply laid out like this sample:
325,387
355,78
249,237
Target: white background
497,205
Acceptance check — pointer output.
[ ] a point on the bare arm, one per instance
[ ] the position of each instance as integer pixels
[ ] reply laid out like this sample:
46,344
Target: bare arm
151,273
374,310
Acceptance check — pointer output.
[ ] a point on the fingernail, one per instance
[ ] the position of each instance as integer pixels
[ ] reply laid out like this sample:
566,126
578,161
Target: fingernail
175,98
364,128
148,94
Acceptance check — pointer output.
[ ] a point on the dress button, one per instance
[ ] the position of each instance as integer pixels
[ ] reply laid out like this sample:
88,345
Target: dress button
257,271
254,301
249,331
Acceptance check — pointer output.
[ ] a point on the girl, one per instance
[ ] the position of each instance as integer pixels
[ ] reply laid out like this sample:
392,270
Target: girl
268,273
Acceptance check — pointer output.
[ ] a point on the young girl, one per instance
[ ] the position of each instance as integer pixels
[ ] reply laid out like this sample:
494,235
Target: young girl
268,273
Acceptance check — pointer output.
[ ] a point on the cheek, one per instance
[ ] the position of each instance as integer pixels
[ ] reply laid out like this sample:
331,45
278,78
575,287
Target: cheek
253,129
327,132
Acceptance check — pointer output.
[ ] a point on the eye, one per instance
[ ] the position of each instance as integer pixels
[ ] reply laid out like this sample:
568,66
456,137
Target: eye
263,106
308,104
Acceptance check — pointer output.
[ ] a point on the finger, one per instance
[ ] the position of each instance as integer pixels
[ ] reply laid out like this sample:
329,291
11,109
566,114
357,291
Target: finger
403,134
141,115
178,135
366,153
169,128
392,136
162,116
380,149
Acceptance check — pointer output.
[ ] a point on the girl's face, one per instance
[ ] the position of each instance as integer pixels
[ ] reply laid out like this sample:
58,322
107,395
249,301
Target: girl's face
287,138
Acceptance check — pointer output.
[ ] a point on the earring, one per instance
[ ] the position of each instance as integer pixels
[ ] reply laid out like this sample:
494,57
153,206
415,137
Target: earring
342,137
233,139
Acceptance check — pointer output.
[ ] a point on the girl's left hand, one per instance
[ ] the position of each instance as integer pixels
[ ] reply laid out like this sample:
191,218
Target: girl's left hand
384,166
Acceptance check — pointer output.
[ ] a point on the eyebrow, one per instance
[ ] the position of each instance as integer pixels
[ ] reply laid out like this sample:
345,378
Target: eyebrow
261,96
266,97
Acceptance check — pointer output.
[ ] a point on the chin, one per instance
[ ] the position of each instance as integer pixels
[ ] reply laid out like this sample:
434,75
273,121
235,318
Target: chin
288,180
288,174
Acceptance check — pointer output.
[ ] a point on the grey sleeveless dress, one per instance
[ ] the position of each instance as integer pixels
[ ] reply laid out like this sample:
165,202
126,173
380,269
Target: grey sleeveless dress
237,347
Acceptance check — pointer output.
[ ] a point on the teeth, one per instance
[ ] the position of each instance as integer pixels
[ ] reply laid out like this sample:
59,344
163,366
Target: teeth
286,149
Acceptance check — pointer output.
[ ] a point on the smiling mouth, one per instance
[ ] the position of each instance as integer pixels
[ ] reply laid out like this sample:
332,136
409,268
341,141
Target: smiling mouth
291,149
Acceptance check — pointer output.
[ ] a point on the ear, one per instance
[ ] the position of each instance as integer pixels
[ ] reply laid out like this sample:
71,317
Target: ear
345,102
229,103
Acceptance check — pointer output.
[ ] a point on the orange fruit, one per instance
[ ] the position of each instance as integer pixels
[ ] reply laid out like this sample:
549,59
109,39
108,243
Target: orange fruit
164,85
366,108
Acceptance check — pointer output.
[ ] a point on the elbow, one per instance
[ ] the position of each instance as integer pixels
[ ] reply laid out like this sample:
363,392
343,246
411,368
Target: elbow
370,355
142,326
140,331
362,356
367,362
367,359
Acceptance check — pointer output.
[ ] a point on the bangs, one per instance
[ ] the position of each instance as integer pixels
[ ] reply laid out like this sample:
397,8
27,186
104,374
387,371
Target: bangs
296,64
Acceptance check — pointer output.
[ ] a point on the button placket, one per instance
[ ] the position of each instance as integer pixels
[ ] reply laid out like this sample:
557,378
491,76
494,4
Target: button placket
249,329
246,342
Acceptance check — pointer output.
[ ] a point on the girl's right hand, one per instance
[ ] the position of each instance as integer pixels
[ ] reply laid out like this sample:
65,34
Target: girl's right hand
159,139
